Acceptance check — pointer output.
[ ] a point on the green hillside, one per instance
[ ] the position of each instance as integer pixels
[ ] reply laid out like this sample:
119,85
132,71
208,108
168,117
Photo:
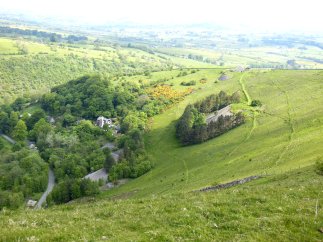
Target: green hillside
281,140
31,68
285,134
275,208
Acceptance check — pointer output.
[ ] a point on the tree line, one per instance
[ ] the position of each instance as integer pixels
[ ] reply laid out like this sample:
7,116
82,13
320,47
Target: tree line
53,37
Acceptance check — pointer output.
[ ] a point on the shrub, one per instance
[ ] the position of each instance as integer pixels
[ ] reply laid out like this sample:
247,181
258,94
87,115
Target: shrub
319,167
256,103
190,83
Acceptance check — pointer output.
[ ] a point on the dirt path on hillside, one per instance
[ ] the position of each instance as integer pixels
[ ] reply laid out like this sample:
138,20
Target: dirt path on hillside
254,121
289,121
244,90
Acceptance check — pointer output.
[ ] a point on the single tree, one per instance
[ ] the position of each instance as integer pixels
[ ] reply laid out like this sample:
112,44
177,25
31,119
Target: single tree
20,132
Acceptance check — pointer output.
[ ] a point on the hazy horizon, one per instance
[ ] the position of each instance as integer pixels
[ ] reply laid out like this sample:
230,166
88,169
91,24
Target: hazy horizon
302,16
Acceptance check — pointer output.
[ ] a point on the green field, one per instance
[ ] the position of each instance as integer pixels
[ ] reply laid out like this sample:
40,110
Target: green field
7,47
275,208
286,134
259,56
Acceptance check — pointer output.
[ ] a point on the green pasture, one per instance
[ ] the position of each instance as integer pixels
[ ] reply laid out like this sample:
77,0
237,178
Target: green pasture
285,134
274,208
7,47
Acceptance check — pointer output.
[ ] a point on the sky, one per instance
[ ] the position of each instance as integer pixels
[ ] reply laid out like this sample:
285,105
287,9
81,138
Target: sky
303,15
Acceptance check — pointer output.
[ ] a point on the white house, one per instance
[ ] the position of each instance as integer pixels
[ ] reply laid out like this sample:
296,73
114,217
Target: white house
101,121
31,203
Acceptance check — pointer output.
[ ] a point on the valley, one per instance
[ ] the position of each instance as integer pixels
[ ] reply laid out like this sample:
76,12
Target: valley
92,120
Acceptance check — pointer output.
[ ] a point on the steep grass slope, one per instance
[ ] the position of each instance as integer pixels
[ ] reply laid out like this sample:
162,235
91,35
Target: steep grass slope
285,134
281,140
284,207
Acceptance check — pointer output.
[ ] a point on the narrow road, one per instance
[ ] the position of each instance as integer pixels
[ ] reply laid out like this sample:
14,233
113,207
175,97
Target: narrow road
50,186
109,145
115,154
97,175
10,140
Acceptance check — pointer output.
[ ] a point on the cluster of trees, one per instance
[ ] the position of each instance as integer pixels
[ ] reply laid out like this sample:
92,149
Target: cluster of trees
53,37
22,174
215,102
289,41
71,189
189,83
92,96
135,161
22,126
88,97
182,73
192,127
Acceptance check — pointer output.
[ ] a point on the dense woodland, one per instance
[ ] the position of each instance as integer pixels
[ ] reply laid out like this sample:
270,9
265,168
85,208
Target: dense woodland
23,173
71,144
192,127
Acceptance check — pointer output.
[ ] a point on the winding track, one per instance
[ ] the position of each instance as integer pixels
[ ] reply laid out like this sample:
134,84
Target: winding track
289,121
254,123
245,92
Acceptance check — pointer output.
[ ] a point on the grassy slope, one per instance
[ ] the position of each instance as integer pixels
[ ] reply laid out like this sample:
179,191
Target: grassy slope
287,135
7,47
275,208
48,65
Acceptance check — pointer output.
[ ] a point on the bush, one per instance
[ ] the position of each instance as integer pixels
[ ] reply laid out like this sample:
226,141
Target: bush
256,103
1,144
319,167
190,83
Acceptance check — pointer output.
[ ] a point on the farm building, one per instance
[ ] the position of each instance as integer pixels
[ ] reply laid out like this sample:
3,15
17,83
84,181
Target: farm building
239,69
224,77
101,121
226,111
31,203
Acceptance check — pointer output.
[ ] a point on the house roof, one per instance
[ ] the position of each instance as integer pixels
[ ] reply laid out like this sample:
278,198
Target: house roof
223,77
31,203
